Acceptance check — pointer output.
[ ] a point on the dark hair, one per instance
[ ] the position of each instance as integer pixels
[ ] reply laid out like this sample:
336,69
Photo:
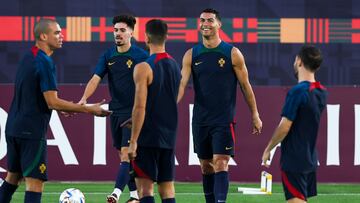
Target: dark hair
129,20
311,57
42,26
210,10
156,30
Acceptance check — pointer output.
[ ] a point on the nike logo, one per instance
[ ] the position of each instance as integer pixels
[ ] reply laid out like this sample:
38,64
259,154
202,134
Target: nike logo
111,63
228,148
198,63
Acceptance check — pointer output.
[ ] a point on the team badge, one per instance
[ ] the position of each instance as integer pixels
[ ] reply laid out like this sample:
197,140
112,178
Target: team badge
42,168
221,62
129,63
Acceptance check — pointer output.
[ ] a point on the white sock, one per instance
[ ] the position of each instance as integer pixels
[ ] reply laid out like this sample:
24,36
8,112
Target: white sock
117,191
134,194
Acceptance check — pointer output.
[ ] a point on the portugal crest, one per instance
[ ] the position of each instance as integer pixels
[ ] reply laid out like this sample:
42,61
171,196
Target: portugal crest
221,62
129,63
42,168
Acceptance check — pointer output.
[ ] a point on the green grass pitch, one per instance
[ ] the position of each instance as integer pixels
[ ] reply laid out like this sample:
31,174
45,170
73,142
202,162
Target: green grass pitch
95,192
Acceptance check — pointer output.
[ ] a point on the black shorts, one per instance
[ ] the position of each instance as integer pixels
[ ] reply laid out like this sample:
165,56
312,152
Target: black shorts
210,140
156,164
27,157
121,136
299,185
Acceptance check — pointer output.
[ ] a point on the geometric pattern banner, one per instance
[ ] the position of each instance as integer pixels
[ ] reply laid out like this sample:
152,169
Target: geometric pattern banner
292,30
355,36
269,30
317,31
237,30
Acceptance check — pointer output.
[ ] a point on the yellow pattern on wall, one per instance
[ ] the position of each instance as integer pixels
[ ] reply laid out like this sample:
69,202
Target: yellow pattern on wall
292,30
78,29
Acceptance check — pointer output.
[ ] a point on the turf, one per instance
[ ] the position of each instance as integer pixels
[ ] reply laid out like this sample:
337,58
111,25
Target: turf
95,192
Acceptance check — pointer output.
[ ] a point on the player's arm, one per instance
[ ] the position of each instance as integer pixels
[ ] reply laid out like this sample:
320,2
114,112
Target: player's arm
90,88
185,73
142,78
241,73
279,134
56,103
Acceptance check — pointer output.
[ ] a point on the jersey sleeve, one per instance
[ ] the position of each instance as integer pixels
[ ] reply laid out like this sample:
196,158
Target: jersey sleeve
100,68
292,104
47,75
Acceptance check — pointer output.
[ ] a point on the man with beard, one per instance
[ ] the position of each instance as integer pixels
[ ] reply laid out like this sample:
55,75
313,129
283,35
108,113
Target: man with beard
118,63
216,67
298,128
35,96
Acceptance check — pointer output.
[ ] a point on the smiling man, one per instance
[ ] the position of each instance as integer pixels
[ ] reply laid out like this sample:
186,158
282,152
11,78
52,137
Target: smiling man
216,67
118,63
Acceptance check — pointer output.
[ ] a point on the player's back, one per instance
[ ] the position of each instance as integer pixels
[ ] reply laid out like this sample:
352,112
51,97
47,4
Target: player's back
305,103
161,117
214,84
29,113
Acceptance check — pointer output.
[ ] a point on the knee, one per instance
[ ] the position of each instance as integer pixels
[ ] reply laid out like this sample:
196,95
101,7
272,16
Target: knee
13,178
207,168
166,194
145,187
221,164
166,190
34,185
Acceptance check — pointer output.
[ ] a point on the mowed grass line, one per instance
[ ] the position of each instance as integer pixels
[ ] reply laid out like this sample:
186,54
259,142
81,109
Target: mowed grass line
95,192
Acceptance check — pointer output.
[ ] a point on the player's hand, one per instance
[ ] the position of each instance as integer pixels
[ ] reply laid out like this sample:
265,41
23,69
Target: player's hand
257,125
97,110
266,158
82,101
132,150
66,114
127,124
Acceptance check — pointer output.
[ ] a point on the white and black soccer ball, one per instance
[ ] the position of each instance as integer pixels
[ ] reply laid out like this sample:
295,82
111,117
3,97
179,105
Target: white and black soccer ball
72,195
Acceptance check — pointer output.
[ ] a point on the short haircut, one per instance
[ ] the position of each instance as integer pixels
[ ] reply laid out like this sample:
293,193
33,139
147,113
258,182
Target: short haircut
210,10
311,57
129,20
42,26
156,30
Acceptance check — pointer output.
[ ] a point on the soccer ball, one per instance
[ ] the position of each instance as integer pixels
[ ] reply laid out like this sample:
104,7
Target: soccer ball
72,195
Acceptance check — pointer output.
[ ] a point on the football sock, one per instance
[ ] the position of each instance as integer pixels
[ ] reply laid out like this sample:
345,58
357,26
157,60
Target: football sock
134,194
6,192
147,199
32,197
208,187
131,184
117,192
123,175
168,200
221,186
